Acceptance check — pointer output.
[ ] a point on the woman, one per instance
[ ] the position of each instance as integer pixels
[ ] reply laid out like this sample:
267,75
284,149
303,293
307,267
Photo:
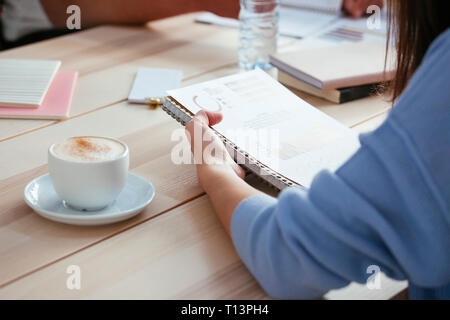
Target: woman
388,206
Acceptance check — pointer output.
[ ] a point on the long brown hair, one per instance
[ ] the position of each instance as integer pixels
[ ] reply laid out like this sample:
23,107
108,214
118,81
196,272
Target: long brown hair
412,27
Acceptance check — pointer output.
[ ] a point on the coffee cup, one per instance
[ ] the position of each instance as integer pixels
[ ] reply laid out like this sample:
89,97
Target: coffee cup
88,173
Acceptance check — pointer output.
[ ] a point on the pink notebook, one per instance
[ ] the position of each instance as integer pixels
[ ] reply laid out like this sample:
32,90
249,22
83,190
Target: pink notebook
56,104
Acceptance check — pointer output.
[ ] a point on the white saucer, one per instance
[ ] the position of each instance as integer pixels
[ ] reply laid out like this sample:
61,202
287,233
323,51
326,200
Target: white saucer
40,195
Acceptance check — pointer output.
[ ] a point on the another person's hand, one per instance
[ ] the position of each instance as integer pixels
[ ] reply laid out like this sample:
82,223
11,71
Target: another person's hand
358,8
212,159
227,8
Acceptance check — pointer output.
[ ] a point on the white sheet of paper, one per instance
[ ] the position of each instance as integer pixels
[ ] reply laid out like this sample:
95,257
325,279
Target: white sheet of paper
296,23
153,83
362,24
333,6
306,140
24,83
357,291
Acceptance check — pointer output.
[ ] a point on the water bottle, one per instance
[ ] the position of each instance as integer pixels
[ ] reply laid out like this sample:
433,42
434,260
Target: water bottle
258,33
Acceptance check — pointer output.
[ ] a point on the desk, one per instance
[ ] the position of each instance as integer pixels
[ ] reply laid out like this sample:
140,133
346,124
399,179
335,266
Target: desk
176,247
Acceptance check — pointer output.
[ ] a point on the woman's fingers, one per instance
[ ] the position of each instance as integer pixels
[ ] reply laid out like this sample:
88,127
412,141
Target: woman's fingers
199,133
209,118
195,132
240,172
201,121
358,8
205,145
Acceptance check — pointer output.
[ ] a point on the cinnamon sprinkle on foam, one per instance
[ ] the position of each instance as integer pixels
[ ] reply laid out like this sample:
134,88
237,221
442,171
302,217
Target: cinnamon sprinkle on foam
83,148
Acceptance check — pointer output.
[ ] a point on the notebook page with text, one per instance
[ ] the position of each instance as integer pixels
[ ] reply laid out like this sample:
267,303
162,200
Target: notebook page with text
272,124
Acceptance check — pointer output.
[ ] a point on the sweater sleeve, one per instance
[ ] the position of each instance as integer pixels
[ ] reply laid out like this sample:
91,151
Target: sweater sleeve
387,206
376,210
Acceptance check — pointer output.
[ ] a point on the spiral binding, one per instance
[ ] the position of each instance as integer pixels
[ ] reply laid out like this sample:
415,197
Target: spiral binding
273,178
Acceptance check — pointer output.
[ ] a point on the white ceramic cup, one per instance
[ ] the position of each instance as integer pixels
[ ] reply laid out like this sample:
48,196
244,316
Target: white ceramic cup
89,186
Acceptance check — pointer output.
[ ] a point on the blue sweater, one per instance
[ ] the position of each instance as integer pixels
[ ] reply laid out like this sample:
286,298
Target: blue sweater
389,205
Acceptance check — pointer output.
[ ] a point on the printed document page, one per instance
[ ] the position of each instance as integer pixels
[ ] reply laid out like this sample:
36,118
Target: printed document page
333,6
294,22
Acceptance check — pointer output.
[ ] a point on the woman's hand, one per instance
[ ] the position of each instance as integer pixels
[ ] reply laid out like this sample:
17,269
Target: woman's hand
210,155
219,175
358,8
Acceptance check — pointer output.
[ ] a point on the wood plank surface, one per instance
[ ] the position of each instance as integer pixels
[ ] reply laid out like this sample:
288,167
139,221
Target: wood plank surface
182,254
30,242
145,263
20,262
107,59
152,130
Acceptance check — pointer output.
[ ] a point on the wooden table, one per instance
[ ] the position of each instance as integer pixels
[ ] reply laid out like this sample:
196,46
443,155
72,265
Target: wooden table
176,247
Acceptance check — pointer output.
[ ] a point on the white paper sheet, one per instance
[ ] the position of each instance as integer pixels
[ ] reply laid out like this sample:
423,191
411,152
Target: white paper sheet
332,6
302,23
153,83
293,22
356,291
24,83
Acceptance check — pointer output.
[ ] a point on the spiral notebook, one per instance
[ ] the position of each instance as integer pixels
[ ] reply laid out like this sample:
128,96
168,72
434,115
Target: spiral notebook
266,128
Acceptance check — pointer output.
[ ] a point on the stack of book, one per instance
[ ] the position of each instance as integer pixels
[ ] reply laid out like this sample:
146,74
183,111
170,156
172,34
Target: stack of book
339,74
35,89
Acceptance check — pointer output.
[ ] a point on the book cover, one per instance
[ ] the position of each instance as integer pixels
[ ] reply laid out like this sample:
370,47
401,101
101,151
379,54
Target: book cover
341,66
340,95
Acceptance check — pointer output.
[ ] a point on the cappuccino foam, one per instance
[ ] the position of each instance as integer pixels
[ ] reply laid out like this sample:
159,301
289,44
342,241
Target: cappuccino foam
89,149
